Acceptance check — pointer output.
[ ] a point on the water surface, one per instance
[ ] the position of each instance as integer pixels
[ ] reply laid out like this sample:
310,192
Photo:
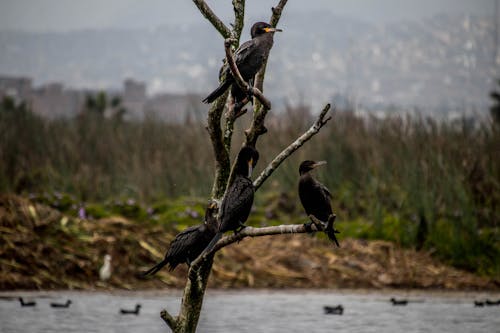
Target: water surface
254,311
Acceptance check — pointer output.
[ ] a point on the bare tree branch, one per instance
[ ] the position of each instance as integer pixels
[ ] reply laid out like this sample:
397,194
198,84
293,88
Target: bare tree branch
221,154
237,76
257,128
264,231
210,15
167,318
239,17
275,163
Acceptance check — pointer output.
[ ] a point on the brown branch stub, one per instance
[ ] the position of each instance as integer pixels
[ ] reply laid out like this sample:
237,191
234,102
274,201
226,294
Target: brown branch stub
237,76
275,163
210,16
169,319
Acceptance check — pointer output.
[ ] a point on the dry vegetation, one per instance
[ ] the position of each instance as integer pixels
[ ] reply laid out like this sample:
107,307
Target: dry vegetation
42,248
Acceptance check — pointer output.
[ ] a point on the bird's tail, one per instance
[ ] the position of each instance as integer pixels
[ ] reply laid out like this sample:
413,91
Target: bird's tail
212,243
156,268
217,92
331,235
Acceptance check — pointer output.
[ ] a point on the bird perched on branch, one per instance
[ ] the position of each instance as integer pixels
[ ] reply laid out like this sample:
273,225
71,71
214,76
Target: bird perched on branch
249,58
237,202
315,198
188,244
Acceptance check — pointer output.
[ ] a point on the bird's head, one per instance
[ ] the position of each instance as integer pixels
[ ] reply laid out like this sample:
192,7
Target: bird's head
308,165
247,159
261,28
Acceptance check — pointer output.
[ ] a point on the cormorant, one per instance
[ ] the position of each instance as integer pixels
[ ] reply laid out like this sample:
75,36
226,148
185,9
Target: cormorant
237,202
188,244
315,197
398,302
61,305
105,270
136,311
249,58
23,303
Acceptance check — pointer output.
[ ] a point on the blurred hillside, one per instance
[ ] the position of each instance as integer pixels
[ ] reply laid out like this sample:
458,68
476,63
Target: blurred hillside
427,64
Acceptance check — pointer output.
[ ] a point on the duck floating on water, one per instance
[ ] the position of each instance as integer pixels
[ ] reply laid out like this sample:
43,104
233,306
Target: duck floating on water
23,303
337,310
61,305
136,311
399,301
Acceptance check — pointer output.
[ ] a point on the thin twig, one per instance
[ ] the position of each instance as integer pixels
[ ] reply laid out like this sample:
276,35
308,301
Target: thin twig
210,16
275,163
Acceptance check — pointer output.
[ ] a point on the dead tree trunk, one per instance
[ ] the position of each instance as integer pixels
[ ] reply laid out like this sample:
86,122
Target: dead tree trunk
220,129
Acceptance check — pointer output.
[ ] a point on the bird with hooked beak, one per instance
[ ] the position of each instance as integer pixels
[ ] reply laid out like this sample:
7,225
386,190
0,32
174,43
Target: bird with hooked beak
249,58
315,198
237,203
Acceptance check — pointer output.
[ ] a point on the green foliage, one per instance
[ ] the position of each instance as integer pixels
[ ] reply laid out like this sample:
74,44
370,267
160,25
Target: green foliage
386,176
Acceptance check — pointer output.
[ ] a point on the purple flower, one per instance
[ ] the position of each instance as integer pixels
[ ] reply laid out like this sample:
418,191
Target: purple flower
130,202
81,213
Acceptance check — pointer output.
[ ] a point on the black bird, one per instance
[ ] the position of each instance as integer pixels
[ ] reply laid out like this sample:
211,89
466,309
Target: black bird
398,302
315,198
338,310
188,244
492,303
136,311
61,305
238,200
478,303
249,58
23,303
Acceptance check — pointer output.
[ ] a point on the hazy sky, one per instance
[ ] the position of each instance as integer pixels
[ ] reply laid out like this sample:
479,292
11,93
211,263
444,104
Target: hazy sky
64,15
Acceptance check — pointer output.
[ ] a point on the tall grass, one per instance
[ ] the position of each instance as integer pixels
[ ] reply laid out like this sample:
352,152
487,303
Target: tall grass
416,181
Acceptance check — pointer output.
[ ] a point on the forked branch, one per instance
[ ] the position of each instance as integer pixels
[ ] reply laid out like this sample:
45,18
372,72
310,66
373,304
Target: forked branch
275,163
210,16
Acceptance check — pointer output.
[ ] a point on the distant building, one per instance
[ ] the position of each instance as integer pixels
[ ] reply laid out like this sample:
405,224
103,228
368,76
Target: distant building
19,88
53,100
134,98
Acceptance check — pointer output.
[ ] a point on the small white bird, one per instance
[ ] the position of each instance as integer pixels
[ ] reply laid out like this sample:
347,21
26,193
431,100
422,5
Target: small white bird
105,271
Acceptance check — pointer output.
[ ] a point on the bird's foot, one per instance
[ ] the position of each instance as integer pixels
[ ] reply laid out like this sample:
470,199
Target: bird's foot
250,91
238,109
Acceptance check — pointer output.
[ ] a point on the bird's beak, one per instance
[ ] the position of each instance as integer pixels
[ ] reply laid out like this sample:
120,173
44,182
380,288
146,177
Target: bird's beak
272,30
319,163
250,167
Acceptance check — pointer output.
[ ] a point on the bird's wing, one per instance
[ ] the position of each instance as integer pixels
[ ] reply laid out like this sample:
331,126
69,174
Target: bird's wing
238,201
244,51
325,190
178,245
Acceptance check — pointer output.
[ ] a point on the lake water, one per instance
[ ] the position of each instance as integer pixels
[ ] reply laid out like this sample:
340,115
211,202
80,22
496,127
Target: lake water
254,311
